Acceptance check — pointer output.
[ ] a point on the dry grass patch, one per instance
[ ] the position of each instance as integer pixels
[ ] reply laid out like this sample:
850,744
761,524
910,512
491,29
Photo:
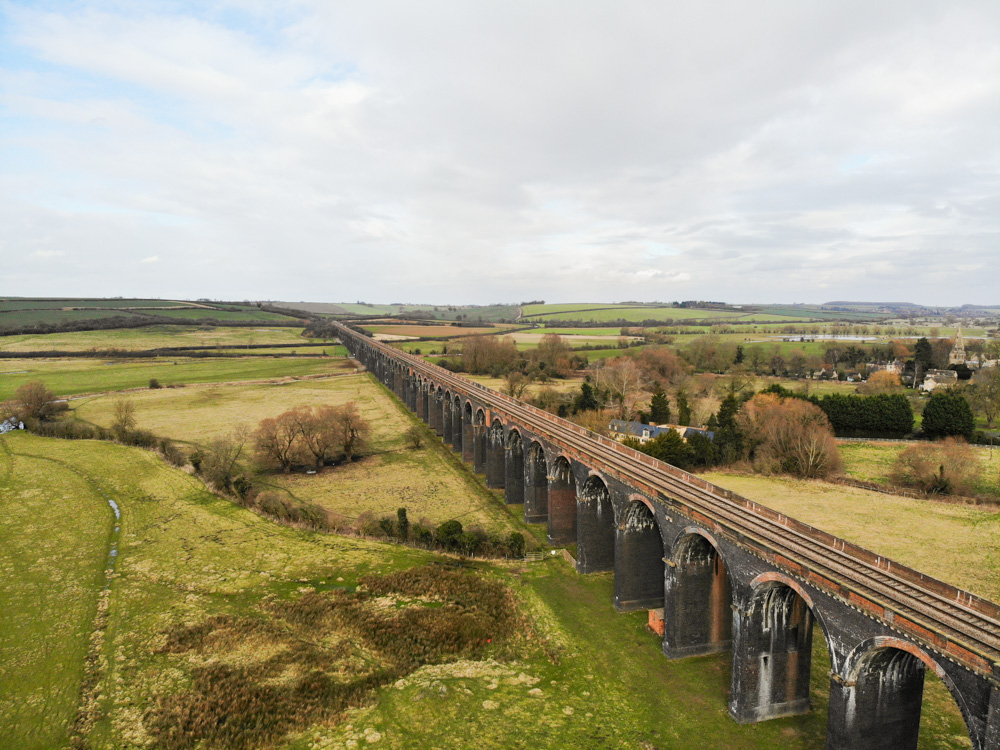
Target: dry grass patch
568,385
149,337
959,544
873,462
423,481
198,415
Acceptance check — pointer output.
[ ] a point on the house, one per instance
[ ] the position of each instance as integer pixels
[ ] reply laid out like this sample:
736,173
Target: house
938,379
620,430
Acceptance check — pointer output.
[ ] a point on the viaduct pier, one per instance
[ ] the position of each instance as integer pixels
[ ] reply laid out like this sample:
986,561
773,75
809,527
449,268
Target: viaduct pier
729,573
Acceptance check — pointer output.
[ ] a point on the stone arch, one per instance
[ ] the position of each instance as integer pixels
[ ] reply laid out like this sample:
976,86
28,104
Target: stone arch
595,527
479,448
697,609
434,405
878,703
772,650
561,502
446,417
495,459
457,424
536,484
514,468
468,434
639,554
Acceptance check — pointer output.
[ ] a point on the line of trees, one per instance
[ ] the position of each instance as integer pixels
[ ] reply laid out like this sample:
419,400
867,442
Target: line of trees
316,435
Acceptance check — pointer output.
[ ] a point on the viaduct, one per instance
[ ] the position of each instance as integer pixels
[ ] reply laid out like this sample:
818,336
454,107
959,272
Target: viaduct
730,574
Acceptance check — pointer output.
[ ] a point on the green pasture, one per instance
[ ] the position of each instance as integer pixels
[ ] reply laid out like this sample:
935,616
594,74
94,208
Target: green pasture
627,313
55,529
215,314
19,318
68,377
58,303
150,337
873,462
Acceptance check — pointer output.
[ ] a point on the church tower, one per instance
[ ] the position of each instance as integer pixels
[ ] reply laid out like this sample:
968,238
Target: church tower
957,356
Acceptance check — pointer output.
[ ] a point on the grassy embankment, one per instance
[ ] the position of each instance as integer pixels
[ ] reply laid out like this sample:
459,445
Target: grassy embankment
582,675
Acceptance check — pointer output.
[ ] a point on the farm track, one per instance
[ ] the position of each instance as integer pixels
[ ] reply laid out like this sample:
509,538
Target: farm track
970,621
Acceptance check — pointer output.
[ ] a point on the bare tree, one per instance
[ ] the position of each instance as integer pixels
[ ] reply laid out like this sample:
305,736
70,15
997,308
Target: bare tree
355,432
124,417
221,457
34,400
275,440
319,431
984,393
622,379
515,384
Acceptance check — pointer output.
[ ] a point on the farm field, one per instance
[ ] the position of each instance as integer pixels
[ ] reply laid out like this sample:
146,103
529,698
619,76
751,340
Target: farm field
872,462
584,312
443,331
149,337
58,303
69,377
580,674
567,385
918,533
216,314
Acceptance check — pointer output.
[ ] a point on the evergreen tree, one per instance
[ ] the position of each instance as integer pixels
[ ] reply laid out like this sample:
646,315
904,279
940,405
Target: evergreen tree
587,400
659,408
740,355
683,409
948,413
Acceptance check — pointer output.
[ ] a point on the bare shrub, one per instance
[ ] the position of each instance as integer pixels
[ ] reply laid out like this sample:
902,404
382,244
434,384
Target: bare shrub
947,467
788,436
415,436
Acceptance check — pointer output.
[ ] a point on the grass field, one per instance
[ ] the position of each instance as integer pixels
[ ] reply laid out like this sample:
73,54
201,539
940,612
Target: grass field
149,337
69,377
58,303
426,481
959,544
585,312
54,536
872,462
582,676
431,331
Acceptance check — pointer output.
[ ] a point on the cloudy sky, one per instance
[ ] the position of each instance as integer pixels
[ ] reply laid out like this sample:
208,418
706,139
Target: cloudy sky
476,152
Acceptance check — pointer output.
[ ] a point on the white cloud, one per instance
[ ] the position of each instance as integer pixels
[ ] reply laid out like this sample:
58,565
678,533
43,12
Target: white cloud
151,259
455,151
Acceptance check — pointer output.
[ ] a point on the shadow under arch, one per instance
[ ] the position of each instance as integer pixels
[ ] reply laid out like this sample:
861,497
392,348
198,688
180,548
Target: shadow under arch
878,701
639,558
457,424
595,527
773,649
698,596
468,433
495,460
536,484
562,502
513,468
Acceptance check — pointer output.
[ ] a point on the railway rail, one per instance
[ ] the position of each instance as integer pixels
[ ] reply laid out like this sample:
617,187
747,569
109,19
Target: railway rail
927,609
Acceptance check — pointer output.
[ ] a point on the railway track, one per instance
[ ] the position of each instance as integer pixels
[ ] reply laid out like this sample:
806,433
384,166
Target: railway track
959,616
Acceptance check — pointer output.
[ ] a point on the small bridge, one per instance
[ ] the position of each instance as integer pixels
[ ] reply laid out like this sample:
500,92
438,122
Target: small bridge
729,573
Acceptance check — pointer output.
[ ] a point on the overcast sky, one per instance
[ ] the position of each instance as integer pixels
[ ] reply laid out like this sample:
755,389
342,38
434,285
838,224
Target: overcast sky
475,152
